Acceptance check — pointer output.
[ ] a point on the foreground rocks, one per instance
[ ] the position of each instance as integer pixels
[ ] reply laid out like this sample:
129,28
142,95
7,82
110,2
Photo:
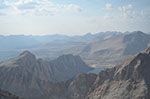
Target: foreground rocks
129,80
7,95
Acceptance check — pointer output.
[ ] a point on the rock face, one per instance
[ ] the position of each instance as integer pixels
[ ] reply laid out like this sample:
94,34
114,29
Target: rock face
7,95
27,76
74,89
68,66
129,80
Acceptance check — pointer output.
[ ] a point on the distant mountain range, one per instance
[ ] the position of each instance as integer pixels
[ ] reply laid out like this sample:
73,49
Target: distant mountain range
44,46
104,49
27,76
111,51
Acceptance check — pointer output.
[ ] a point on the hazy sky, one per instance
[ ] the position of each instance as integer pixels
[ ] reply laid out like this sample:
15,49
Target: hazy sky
73,17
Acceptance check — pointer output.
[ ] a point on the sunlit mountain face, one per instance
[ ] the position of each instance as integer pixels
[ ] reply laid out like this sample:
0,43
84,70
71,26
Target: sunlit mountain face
74,49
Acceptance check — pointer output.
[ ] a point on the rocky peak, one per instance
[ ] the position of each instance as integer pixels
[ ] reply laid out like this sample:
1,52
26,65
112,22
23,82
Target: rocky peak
136,67
129,80
66,56
26,58
88,34
135,42
80,85
138,32
148,50
69,64
27,54
135,35
69,56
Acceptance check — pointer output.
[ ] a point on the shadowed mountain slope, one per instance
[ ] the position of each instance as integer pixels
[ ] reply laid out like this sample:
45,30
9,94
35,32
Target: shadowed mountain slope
26,76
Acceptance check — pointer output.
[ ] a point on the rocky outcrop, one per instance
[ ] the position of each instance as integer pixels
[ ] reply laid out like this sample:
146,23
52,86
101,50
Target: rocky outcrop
28,77
129,80
68,66
71,89
7,95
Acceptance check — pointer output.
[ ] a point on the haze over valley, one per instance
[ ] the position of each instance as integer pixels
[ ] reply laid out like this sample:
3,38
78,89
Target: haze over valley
104,49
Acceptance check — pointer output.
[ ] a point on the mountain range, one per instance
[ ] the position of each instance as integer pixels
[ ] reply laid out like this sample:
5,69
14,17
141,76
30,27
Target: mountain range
111,51
45,46
27,76
104,49
128,80
69,77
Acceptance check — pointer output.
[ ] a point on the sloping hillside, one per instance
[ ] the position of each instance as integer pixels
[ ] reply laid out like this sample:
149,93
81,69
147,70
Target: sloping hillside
26,76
